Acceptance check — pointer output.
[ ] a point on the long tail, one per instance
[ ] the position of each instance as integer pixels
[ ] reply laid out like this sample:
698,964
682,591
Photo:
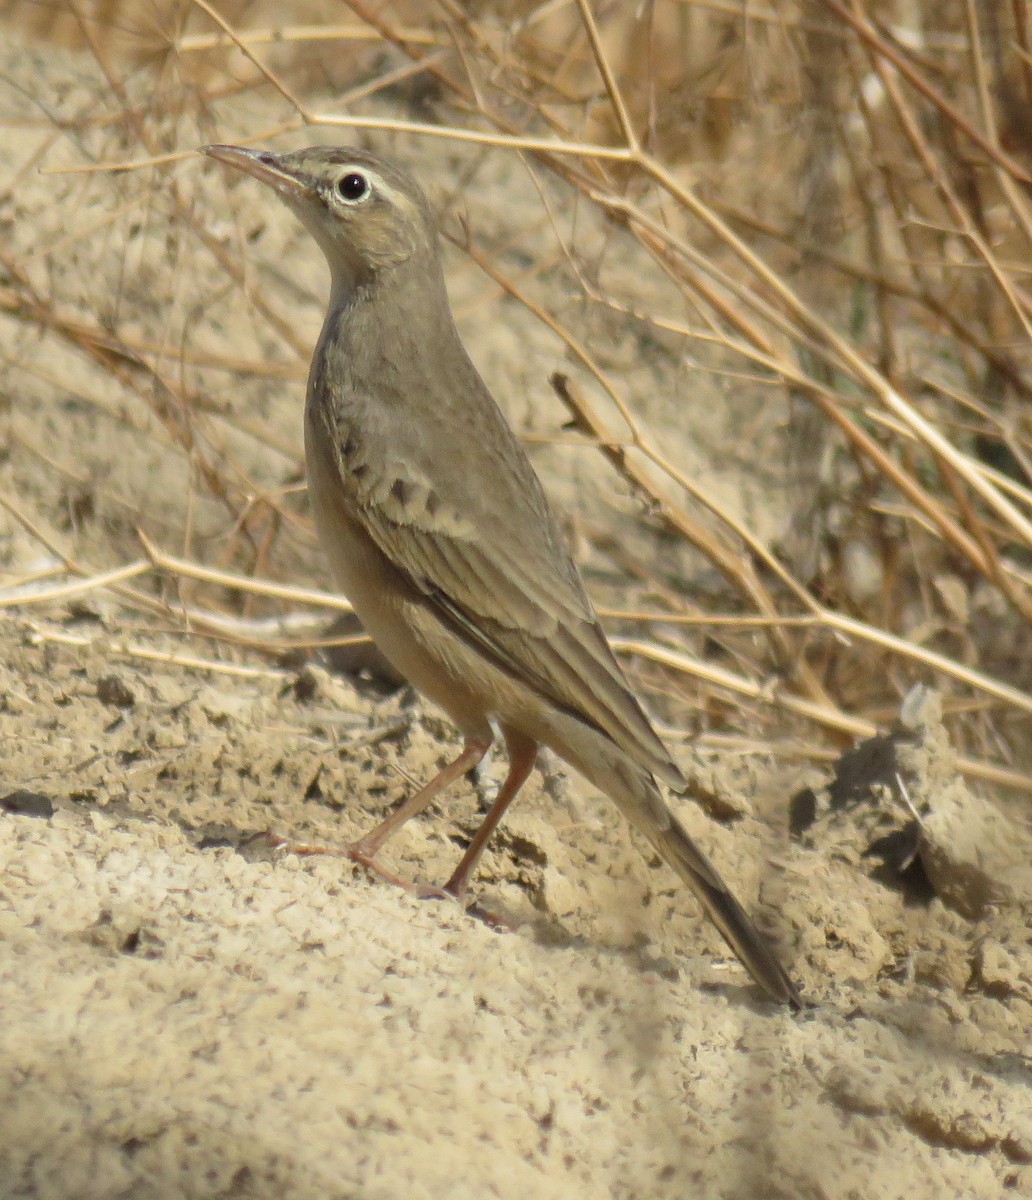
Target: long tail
677,847
635,793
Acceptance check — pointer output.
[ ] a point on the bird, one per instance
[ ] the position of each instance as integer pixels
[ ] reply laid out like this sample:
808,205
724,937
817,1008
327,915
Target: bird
439,533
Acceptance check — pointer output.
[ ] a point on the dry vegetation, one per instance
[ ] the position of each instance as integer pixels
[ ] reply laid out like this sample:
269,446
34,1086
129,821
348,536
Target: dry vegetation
817,214
750,281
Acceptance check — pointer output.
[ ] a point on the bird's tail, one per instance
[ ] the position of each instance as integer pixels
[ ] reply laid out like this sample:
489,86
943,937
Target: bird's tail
678,849
635,793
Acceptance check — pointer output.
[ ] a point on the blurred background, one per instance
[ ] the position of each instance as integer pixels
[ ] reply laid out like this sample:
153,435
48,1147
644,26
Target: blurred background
750,279
778,252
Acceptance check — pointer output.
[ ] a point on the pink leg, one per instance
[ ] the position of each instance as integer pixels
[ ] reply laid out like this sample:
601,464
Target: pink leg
364,851
522,756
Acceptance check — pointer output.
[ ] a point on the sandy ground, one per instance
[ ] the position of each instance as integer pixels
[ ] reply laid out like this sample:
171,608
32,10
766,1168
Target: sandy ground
186,1014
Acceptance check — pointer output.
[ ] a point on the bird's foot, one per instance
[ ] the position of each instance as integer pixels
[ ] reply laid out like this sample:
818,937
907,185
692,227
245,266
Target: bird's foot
430,891
359,855
269,843
455,890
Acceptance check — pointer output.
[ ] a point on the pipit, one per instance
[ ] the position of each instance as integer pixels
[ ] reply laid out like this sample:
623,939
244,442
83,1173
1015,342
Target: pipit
439,533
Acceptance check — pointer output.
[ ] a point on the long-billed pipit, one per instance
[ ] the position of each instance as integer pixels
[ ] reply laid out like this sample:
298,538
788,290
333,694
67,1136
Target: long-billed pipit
440,535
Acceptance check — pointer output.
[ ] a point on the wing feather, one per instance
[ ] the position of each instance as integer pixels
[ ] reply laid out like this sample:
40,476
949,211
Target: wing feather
496,568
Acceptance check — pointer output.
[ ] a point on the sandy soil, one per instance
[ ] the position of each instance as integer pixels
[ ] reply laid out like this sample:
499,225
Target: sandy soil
188,1015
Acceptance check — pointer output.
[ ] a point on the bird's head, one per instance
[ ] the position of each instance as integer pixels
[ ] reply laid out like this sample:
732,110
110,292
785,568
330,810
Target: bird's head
366,214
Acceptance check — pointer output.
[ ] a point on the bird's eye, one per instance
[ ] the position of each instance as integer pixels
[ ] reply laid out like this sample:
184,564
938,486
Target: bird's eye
352,186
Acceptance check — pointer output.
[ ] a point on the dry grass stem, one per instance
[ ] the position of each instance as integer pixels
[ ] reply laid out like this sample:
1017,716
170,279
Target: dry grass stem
741,267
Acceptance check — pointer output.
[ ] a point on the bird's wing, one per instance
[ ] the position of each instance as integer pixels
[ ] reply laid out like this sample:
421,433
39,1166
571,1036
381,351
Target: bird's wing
492,561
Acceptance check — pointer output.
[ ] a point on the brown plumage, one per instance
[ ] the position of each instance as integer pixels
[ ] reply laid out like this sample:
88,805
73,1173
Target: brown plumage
439,533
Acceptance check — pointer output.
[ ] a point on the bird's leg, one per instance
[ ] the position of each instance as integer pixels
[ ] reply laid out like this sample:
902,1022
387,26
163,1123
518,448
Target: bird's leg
522,756
364,851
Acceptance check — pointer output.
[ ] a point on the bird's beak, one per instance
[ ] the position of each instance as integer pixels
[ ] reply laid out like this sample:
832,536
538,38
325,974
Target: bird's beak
264,166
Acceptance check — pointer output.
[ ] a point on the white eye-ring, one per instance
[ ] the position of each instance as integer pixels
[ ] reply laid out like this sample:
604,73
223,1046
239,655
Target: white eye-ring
352,187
